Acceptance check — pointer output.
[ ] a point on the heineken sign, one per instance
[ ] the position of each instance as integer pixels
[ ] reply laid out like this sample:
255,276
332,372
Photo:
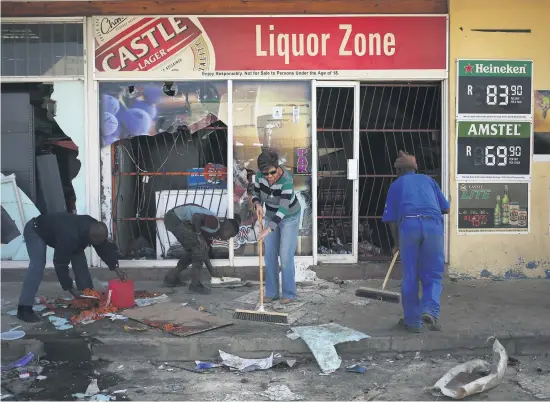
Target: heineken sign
494,89
493,148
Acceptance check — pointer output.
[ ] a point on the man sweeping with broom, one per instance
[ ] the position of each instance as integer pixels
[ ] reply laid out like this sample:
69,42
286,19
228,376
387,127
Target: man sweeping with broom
414,211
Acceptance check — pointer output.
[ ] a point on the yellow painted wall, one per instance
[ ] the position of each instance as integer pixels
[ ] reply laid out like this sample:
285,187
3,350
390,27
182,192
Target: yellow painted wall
502,255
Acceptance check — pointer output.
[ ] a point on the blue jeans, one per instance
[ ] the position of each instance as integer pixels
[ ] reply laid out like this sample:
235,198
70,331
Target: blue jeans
281,243
421,248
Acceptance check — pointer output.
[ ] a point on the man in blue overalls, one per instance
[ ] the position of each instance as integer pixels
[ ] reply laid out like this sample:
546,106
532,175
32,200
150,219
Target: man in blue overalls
414,211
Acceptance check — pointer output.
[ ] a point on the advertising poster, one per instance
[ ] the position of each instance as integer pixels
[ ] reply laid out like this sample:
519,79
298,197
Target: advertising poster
542,122
493,207
131,109
299,47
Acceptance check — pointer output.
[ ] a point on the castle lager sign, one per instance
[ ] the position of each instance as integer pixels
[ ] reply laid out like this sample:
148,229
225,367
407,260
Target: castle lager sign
255,47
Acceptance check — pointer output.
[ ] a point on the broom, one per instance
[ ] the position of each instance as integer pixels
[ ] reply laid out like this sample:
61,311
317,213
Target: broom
260,314
381,294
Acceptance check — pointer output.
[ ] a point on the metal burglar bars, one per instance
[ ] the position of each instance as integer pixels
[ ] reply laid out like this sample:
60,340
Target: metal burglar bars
335,134
151,175
392,117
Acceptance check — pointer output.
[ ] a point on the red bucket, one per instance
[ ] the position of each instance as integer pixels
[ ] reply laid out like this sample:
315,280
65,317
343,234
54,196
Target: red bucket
122,295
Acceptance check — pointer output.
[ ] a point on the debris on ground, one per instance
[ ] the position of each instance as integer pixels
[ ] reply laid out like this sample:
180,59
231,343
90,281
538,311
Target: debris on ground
205,365
114,317
21,362
245,365
100,397
174,318
60,324
93,388
474,376
279,359
321,340
356,368
128,328
225,281
280,392
12,335
92,315
149,301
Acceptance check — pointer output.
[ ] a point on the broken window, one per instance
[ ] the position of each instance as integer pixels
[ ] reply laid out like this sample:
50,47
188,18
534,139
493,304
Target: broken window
169,147
42,133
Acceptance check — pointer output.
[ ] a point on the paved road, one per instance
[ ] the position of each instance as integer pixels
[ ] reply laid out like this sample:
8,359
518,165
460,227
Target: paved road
398,378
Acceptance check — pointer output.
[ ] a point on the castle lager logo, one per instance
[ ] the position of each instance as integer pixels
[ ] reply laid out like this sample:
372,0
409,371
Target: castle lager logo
151,44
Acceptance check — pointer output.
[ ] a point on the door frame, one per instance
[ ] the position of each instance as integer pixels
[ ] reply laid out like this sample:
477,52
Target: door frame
337,258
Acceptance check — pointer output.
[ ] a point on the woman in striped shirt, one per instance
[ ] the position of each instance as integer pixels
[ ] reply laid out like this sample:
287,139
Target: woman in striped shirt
274,187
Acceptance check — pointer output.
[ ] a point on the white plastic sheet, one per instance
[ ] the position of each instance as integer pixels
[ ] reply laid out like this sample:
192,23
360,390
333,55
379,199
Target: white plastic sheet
452,384
245,365
321,340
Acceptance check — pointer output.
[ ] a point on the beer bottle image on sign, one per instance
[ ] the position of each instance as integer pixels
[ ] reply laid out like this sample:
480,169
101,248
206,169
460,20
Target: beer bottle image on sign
505,206
498,216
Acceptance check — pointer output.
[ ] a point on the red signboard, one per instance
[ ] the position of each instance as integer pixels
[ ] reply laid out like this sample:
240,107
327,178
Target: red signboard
210,46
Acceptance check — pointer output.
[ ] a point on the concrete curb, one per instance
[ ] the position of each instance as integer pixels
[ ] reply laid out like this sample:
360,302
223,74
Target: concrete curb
201,348
116,347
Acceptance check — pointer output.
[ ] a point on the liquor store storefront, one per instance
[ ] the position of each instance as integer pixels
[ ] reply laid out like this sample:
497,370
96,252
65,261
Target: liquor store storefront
181,107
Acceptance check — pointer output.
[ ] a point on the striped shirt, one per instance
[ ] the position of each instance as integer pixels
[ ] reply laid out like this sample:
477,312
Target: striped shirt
280,199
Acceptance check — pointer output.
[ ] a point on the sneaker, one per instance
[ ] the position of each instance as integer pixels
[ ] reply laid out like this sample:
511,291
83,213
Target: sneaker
269,299
27,314
410,329
199,288
431,322
287,301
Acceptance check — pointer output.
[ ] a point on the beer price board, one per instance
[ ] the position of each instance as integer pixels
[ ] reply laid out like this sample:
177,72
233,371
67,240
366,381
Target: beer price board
495,149
498,207
496,89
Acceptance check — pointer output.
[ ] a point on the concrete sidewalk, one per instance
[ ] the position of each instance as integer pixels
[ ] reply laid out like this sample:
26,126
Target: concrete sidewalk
514,311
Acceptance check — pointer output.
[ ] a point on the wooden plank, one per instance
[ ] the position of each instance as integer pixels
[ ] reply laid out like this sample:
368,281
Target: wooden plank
221,7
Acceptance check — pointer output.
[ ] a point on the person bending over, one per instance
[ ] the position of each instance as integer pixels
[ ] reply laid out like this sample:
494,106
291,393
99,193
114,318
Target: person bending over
69,235
195,227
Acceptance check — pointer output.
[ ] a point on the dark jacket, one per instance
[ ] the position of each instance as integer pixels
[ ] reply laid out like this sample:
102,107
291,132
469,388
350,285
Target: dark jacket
69,234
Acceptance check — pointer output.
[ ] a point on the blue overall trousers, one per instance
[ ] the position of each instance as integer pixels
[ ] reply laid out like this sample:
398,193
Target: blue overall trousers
422,258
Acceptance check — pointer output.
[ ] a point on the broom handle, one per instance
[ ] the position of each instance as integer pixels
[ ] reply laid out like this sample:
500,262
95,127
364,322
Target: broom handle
390,269
260,245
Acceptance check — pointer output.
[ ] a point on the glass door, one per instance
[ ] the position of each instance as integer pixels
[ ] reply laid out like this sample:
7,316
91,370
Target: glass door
337,155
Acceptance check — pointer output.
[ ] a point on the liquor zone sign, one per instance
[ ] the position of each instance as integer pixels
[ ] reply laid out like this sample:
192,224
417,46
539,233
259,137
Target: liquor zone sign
295,47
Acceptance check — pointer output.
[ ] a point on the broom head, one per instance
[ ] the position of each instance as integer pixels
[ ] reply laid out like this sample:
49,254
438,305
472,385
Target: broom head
379,294
261,316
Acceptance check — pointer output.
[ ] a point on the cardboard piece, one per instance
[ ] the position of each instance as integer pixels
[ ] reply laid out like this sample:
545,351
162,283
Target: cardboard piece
185,321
